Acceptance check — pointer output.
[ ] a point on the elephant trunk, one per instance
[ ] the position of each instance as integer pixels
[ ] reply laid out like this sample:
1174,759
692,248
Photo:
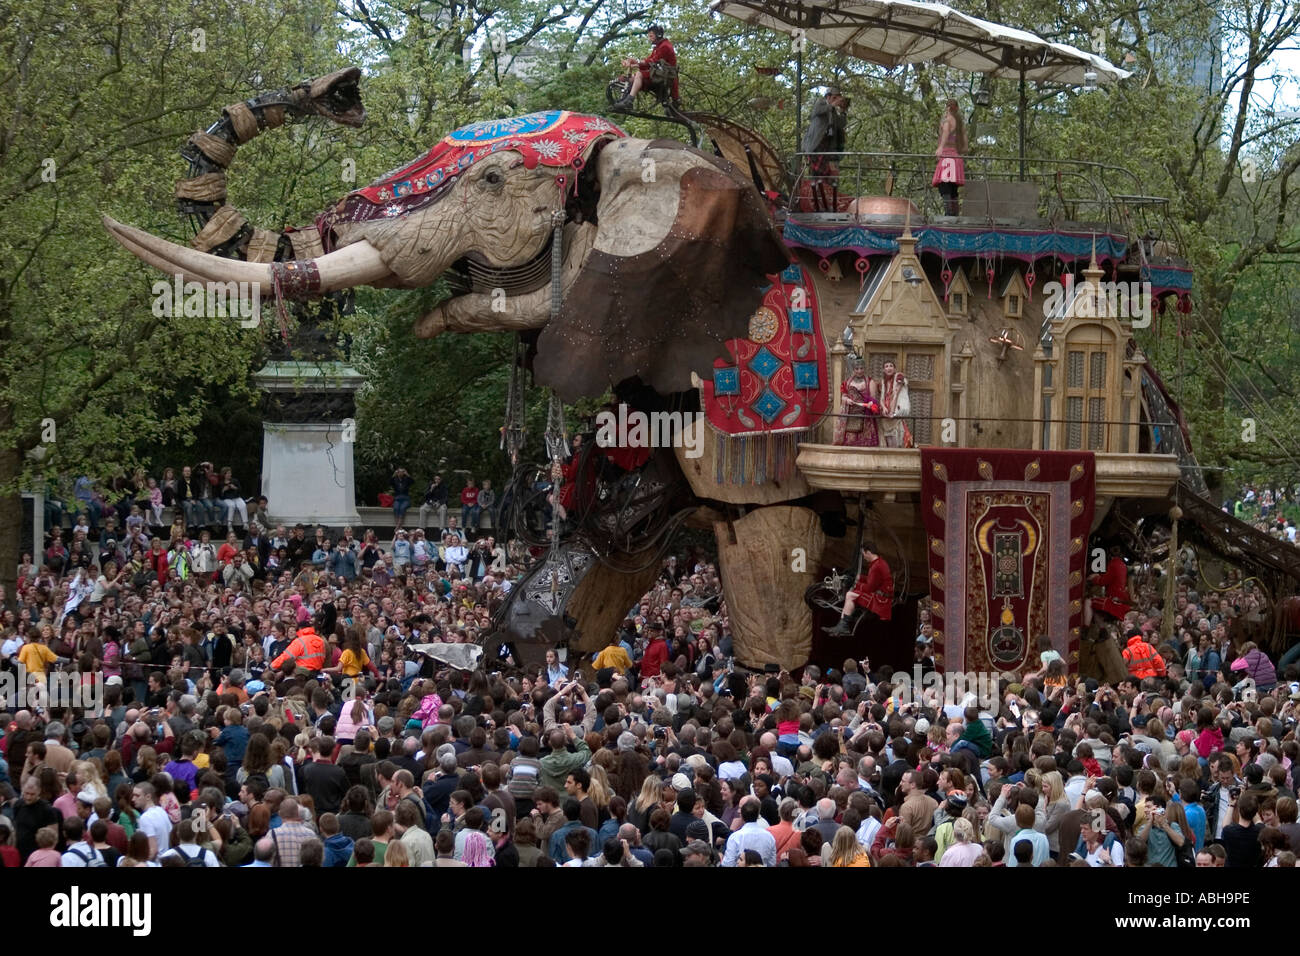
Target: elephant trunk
229,249
221,229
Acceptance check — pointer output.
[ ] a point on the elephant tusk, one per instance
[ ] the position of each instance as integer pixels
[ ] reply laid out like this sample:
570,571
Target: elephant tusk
353,265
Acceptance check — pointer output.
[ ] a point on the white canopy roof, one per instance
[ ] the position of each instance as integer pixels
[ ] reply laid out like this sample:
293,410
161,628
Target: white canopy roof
894,32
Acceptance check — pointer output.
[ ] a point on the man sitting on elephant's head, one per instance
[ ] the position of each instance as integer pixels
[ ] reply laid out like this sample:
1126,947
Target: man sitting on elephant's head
657,72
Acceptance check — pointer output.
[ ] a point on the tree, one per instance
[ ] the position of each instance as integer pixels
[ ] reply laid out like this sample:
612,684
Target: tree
97,99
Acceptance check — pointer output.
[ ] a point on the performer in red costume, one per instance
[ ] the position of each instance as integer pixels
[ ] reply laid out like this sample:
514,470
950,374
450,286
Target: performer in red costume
658,68
873,592
1115,600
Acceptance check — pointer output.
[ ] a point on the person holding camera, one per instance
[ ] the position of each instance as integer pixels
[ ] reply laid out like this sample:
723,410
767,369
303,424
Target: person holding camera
1164,836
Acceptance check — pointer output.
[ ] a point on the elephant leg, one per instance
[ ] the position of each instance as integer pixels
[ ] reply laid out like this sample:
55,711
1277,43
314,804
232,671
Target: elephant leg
767,560
601,602
1112,662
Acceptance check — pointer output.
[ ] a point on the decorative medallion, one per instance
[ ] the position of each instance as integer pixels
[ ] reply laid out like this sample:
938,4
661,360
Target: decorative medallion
763,325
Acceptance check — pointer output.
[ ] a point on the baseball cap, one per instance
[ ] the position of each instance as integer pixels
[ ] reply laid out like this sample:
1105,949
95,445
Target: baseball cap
88,795
681,782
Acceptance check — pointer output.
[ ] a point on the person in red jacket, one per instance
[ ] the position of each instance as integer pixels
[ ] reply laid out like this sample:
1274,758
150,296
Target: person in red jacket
650,71
656,652
873,592
1115,601
158,560
469,508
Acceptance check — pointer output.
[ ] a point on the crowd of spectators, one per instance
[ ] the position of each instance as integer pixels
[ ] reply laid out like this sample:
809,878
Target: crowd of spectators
1273,510
274,702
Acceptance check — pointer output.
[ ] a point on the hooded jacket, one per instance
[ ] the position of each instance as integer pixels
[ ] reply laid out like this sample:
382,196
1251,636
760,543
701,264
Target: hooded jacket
1258,668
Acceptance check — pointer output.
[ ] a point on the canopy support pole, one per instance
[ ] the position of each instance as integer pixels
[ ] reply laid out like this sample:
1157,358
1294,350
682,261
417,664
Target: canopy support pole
798,101
1024,106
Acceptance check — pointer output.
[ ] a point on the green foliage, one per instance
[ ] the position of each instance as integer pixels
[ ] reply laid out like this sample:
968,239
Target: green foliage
98,98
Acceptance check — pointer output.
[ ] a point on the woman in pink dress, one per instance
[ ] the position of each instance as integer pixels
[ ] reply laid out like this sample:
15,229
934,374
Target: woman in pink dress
949,170
859,409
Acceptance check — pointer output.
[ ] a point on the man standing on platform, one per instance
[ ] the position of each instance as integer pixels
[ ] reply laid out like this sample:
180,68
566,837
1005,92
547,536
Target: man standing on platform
873,592
822,141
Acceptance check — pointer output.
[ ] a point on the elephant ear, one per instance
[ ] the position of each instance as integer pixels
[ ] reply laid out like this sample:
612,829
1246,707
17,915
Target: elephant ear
683,249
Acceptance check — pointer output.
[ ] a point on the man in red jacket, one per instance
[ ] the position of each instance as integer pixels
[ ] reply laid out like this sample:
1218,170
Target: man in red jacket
656,652
873,592
659,69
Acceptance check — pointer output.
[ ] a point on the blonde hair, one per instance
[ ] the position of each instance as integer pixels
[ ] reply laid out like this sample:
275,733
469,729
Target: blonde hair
962,830
396,854
88,776
648,798
845,848
1055,786
599,790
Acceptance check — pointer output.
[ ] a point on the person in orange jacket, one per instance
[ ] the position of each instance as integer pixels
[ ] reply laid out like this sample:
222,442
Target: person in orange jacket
1142,659
873,592
307,653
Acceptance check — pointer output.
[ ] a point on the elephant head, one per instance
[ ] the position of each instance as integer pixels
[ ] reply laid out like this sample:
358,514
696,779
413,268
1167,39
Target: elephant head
663,249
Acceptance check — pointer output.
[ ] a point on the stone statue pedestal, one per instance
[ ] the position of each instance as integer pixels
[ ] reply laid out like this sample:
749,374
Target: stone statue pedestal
308,433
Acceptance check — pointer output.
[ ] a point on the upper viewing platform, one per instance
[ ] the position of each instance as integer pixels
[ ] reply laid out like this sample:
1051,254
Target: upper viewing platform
1042,208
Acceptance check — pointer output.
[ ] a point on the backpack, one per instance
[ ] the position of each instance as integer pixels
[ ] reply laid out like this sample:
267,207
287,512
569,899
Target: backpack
1186,854
430,822
196,860
94,861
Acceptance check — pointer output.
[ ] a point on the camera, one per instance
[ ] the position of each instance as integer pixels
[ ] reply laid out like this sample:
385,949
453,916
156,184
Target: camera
660,731
1234,792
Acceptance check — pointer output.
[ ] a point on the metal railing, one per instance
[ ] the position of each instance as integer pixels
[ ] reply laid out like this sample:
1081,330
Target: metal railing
1067,190
1101,435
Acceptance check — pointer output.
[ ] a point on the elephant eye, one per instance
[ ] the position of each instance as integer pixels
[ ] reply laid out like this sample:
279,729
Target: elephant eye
494,178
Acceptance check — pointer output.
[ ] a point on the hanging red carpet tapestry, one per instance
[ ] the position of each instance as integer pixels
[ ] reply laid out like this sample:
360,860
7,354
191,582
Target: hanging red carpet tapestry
774,388
1008,535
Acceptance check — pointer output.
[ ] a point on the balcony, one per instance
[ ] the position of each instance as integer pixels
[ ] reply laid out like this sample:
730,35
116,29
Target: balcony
894,471
1150,472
